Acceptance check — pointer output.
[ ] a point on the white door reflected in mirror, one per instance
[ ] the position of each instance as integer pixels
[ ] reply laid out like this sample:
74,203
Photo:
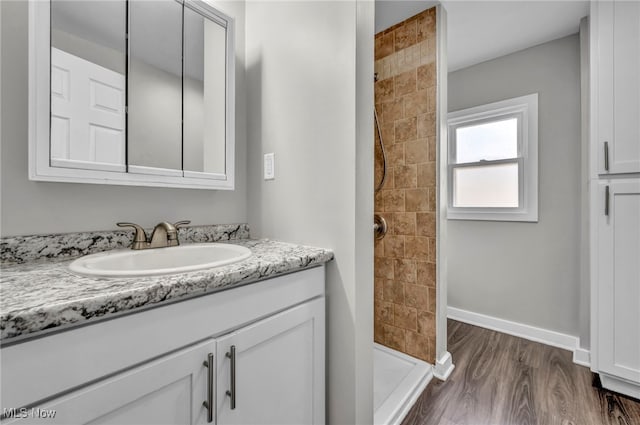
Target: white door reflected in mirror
87,114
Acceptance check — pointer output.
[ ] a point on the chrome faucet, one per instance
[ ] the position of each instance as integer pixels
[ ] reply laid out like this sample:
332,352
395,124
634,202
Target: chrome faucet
164,235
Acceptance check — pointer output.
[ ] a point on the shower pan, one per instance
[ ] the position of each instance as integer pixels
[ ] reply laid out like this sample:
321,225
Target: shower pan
398,381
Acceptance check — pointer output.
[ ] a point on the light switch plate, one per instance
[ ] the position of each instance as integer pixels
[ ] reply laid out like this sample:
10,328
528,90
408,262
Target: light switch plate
269,166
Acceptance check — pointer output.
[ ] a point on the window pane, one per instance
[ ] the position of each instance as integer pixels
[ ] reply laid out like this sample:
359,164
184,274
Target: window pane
488,141
493,186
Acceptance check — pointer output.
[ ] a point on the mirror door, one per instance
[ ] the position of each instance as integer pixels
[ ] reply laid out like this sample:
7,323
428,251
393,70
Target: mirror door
204,93
88,67
155,87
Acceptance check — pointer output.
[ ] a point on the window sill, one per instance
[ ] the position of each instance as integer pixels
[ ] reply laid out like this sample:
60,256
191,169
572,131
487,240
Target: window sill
522,216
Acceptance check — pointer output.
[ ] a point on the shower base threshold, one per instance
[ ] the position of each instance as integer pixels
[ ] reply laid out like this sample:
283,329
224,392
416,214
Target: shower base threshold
398,381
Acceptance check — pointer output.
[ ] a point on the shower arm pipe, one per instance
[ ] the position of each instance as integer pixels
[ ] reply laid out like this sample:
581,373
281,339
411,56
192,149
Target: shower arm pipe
384,155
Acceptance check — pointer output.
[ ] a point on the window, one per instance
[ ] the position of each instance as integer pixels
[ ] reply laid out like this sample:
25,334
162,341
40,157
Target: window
493,161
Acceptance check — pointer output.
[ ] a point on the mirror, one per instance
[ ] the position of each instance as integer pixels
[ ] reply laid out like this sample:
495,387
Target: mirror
155,86
134,92
88,63
204,93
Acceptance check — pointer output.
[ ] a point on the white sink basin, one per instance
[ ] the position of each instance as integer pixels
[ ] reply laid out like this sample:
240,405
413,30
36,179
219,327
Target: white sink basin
150,262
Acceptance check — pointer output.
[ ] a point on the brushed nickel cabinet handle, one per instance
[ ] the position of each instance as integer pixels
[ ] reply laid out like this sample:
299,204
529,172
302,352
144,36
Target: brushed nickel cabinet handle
606,201
232,392
606,156
209,403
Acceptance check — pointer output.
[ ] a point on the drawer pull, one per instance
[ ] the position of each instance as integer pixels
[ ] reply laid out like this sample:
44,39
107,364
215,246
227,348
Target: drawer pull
232,392
209,403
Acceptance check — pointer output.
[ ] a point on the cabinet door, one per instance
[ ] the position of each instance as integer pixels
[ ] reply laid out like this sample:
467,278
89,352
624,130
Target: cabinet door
619,281
169,390
617,52
279,369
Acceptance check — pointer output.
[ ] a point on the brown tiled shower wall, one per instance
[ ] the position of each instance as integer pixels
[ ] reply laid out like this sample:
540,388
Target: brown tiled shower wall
405,260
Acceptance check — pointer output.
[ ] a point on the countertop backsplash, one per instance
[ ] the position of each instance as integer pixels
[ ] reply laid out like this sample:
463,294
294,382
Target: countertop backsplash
23,249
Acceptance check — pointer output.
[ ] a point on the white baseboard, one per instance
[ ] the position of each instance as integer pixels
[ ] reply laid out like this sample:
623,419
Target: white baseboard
582,357
532,333
444,366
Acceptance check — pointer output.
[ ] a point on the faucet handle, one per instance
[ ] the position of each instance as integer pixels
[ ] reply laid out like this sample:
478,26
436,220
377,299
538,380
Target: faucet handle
172,232
179,224
140,238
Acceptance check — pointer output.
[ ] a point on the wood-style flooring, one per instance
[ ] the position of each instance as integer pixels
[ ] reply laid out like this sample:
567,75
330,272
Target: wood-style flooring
504,380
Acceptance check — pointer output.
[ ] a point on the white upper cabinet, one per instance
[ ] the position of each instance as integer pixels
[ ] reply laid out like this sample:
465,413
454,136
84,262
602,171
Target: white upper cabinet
138,92
615,67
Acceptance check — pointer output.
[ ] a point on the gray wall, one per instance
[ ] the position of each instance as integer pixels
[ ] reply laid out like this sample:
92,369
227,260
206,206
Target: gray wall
154,123
391,12
526,272
585,249
38,207
104,56
310,97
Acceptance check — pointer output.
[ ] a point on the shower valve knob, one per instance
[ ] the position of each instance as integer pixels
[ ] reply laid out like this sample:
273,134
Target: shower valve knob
379,226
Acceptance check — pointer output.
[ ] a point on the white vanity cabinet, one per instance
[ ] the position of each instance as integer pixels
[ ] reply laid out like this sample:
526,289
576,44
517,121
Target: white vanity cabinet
153,367
615,56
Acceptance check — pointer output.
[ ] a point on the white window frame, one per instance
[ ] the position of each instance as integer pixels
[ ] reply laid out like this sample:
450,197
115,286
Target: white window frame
525,109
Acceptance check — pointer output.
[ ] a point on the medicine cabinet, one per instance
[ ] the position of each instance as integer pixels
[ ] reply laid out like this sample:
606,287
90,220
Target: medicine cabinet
131,92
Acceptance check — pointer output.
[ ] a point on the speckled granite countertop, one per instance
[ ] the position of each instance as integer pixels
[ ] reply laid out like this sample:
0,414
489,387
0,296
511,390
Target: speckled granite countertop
38,296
